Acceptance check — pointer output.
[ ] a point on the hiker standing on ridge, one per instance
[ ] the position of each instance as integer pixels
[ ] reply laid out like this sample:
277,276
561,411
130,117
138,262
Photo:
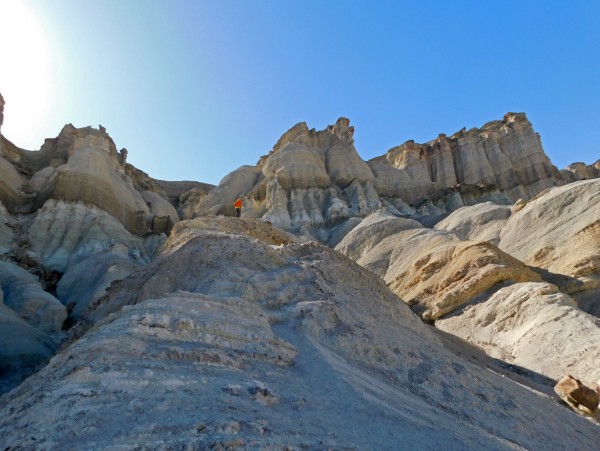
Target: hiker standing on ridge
238,207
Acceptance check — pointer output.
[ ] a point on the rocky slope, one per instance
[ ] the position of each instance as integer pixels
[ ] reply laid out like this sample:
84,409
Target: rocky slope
524,299
296,347
240,333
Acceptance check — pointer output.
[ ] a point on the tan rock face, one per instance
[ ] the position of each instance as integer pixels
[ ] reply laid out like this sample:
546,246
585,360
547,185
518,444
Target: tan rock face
481,222
93,174
577,395
560,233
433,271
534,326
581,171
313,180
11,183
310,180
10,180
503,155
442,280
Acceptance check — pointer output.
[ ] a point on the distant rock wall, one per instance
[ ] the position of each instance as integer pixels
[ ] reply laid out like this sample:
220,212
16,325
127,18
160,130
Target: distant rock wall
83,165
313,180
581,171
504,159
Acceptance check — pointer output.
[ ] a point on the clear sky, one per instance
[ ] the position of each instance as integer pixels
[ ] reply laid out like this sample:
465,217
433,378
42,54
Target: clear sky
196,88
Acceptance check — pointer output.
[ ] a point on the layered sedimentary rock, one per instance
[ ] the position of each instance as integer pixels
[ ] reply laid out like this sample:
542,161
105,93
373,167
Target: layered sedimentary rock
503,161
477,222
92,173
311,181
232,333
88,247
479,293
559,232
296,347
10,180
433,271
582,171
532,325
83,165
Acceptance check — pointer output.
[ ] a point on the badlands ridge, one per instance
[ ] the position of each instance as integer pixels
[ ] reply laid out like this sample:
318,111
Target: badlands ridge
428,298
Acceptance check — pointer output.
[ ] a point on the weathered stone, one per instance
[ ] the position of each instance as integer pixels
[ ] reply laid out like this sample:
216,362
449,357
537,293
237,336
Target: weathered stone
24,294
559,231
94,175
477,222
23,348
534,326
577,395
64,233
309,182
581,171
7,224
503,155
306,344
433,271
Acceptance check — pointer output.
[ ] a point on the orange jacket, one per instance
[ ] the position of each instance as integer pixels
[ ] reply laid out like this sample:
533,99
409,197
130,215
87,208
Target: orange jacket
238,203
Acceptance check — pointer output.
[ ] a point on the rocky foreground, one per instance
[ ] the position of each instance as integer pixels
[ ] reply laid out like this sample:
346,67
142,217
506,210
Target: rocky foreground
228,340
429,298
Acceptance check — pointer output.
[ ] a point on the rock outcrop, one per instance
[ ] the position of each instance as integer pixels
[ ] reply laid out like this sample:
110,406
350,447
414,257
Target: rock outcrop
504,159
295,347
433,271
559,232
532,325
480,222
312,181
92,172
217,332
309,182
31,320
581,171
490,298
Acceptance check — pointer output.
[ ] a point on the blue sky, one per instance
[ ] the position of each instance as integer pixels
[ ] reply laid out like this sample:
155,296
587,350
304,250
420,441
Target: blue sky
195,89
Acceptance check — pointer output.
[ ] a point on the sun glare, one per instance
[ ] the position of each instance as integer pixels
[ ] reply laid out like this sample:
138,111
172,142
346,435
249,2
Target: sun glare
25,74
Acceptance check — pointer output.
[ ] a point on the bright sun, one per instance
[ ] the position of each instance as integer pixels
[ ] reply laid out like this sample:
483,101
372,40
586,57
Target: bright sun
26,80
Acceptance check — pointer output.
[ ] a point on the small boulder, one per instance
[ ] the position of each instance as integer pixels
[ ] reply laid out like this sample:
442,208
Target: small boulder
577,395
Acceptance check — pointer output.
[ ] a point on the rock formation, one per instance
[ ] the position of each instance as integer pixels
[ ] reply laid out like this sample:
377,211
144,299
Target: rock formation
581,171
434,271
218,332
559,232
1,121
312,181
577,395
476,291
296,347
531,325
480,222
504,159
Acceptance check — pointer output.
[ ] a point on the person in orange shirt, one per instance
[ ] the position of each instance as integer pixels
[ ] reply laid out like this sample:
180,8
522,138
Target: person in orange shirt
238,207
